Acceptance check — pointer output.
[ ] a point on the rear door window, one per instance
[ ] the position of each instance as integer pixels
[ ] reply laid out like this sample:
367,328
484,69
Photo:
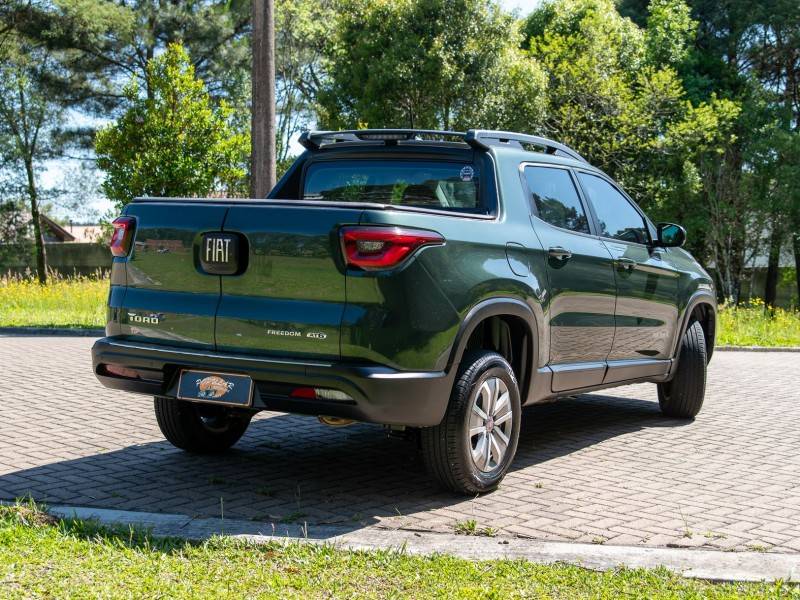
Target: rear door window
427,184
555,198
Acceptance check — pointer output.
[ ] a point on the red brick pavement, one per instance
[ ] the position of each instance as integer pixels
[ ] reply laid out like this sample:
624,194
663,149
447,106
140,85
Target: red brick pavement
605,467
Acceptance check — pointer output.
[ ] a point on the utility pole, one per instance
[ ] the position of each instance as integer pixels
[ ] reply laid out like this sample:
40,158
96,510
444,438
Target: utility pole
262,132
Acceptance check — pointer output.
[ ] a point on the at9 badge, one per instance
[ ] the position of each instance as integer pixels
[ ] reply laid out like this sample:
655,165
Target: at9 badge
467,173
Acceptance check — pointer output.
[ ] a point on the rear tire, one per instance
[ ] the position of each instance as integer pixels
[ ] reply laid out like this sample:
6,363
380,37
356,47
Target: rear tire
485,397
200,428
682,397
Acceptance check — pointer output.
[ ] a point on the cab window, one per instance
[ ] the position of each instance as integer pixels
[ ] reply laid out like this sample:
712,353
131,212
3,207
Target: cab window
618,219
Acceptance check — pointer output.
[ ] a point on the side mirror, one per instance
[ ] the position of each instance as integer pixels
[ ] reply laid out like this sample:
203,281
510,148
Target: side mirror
670,235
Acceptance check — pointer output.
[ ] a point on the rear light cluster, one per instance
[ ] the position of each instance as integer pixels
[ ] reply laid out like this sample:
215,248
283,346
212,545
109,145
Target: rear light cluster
122,238
310,393
374,248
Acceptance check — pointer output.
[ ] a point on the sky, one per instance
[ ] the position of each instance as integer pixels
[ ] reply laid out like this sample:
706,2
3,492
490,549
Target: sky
57,171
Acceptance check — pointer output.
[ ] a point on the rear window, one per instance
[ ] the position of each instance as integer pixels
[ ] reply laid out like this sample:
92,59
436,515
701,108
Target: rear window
427,184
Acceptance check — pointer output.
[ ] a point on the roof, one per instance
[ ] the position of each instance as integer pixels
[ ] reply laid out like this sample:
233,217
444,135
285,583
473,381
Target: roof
55,233
50,228
55,230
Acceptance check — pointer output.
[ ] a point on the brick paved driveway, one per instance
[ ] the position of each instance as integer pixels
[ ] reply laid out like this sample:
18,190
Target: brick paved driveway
600,467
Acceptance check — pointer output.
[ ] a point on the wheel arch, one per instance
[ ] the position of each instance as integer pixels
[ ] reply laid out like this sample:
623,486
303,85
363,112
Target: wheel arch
506,325
701,307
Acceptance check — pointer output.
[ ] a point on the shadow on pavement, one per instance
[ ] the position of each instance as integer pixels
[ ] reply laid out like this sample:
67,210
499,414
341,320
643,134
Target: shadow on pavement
291,469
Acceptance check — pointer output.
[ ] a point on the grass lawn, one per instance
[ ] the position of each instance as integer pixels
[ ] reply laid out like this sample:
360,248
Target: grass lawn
752,325
74,302
81,303
40,557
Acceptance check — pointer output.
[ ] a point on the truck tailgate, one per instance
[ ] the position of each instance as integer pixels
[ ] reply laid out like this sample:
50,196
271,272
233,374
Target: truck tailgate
167,298
291,297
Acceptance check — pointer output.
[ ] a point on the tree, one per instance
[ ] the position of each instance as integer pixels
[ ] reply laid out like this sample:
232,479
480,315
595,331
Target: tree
302,28
113,41
773,56
450,64
172,140
616,95
747,52
29,121
262,108
110,40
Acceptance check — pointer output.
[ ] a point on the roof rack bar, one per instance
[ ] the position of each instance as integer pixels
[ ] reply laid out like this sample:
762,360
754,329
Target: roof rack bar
479,138
313,140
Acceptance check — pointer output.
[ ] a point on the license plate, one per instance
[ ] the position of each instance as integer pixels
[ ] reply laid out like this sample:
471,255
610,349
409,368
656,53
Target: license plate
219,388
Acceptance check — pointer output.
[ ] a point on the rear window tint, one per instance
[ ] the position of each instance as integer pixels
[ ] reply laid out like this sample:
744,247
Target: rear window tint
426,184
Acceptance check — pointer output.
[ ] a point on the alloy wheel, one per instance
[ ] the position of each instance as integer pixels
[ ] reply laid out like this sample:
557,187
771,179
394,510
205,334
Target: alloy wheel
490,424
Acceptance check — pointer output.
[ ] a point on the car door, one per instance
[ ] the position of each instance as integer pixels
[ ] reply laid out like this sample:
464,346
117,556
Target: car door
647,286
582,290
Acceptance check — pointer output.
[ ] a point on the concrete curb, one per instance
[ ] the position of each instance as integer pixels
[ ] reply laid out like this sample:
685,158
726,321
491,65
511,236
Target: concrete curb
51,331
712,565
757,349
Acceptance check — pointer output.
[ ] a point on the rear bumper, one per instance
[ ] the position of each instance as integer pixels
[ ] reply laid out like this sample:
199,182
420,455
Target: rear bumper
380,394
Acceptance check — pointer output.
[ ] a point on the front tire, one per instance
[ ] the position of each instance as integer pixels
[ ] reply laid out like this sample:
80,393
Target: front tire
470,451
682,397
200,428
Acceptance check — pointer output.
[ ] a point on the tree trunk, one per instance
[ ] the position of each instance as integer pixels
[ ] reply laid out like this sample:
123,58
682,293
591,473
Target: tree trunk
773,265
796,240
41,257
150,52
262,138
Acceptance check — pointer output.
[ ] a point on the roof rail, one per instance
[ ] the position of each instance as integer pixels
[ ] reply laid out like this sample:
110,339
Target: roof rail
479,138
313,140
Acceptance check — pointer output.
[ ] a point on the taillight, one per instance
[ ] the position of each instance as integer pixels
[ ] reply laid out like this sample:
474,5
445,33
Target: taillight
383,247
122,237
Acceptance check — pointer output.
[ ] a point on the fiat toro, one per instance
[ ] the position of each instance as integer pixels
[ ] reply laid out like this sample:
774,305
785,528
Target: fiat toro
430,281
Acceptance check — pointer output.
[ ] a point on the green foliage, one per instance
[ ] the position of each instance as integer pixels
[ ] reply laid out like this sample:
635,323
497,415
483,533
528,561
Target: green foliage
107,41
670,32
428,64
30,116
301,30
613,93
692,105
41,556
78,302
173,142
754,324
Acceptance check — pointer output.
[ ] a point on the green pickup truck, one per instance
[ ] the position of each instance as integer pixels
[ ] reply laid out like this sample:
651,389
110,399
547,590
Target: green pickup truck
434,282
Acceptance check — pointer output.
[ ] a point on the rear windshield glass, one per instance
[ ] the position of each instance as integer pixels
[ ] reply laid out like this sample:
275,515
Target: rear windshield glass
427,184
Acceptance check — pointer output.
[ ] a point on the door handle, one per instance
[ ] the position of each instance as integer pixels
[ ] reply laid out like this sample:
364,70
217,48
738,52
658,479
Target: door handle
559,253
625,264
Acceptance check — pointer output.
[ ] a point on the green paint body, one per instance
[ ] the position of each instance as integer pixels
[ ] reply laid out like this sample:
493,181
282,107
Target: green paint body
586,310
